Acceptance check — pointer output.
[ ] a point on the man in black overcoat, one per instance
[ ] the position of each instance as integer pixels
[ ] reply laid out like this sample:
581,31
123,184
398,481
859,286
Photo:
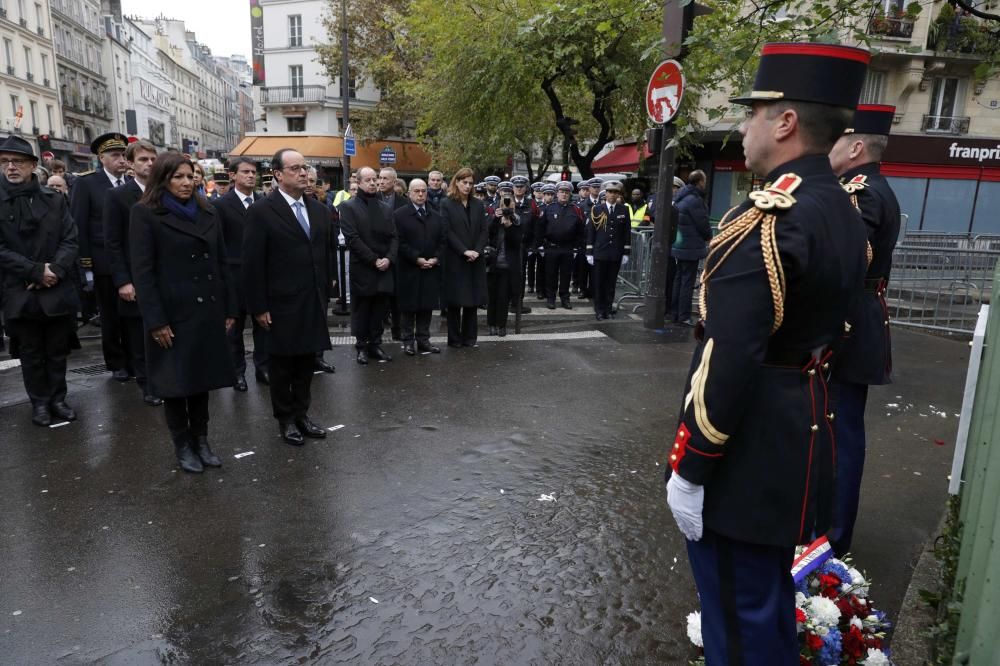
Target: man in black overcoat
232,208
370,234
286,278
87,199
38,251
422,238
140,155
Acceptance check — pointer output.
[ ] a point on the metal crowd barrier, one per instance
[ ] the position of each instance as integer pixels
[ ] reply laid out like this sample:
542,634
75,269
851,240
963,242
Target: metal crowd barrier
637,274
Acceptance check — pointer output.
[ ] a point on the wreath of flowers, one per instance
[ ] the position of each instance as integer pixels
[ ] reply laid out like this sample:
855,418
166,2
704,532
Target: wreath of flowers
836,623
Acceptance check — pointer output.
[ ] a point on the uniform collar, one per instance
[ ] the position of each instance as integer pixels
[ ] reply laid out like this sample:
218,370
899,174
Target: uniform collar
806,165
867,169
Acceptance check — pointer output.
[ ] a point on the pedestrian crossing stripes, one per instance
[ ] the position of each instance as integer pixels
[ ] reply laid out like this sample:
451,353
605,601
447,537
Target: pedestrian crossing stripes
510,337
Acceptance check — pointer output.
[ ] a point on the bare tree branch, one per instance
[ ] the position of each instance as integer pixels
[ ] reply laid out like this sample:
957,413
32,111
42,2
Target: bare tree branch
962,4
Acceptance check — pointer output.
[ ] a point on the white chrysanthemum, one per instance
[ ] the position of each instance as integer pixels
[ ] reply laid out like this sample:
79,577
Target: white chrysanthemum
876,658
823,611
800,599
694,629
856,622
859,585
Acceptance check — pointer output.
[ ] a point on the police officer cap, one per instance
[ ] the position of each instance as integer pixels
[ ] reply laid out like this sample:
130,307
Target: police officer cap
537,186
613,186
582,184
828,74
564,186
678,182
109,141
480,187
18,146
506,185
596,182
492,180
221,177
548,188
519,181
872,119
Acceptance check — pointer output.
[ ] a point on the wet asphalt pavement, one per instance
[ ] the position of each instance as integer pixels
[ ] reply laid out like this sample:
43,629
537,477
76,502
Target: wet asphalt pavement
501,505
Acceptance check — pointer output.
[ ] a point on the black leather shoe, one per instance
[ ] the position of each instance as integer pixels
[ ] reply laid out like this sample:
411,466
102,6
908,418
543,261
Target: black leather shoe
471,345
566,304
502,332
363,357
379,355
428,349
408,349
309,429
62,411
154,401
455,345
263,377
120,375
240,384
324,366
551,305
40,416
524,309
204,452
291,434
188,460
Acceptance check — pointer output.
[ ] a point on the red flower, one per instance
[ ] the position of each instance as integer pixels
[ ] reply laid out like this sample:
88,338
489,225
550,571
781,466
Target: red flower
853,643
805,661
814,642
829,580
800,616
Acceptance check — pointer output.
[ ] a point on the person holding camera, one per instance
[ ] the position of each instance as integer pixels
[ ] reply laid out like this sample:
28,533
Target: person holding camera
503,262
560,237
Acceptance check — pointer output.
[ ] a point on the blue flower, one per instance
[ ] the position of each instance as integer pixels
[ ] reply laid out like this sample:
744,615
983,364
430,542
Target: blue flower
837,569
829,654
803,586
883,619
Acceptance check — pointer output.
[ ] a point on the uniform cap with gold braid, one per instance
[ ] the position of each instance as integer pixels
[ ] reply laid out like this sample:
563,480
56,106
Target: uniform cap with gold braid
109,141
872,119
827,74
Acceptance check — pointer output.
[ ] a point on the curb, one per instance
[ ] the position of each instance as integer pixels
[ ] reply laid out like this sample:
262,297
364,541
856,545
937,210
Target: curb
910,644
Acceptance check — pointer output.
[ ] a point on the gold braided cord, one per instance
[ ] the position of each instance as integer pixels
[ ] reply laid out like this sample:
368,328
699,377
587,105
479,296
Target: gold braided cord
731,234
869,252
601,221
854,201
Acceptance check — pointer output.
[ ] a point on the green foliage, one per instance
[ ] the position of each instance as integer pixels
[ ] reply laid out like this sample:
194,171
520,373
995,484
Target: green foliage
947,600
952,33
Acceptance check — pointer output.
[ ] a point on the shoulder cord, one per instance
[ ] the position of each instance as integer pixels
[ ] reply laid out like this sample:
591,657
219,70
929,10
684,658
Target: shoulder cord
599,222
731,235
869,252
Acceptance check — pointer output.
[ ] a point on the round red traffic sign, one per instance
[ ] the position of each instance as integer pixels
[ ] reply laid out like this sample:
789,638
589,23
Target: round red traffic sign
48,155
664,92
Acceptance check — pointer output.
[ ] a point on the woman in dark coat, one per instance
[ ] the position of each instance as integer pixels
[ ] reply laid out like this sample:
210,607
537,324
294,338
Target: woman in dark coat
464,265
503,275
187,301
693,233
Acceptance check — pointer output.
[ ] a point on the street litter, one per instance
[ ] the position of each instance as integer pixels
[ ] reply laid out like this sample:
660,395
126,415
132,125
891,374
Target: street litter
336,427
547,498
244,454
373,600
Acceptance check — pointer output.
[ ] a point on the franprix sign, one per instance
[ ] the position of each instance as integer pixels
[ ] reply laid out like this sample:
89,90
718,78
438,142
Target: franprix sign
943,150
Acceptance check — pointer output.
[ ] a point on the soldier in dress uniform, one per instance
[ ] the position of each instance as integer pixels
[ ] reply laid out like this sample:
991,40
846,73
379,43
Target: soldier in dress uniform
609,241
492,183
865,356
752,464
560,238
87,208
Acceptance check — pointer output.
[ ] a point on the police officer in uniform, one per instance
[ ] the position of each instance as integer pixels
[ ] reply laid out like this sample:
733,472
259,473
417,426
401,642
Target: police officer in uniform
536,259
491,183
608,245
560,237
751,466
536,192
865,356
87,209
479,191
529,215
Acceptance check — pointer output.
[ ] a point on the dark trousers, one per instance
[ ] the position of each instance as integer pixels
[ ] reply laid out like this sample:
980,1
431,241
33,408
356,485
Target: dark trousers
135,333
685,273
536,273
419,320
291,386
747,601
558,269
582,275
849,430
114,339
186,416
395,316
463,325
238,348
501,286
368,319
43,346
605,279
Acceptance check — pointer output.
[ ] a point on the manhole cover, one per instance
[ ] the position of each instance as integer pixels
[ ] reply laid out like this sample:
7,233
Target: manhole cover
90,370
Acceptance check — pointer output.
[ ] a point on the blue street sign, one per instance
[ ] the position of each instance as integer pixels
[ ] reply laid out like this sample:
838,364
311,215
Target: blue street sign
387,156
350,148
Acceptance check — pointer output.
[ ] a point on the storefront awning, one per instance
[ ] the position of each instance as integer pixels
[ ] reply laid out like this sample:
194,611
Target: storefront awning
622,158
327,151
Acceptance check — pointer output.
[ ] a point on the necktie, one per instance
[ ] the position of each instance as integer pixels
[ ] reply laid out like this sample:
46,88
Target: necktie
420,213
118,182
301,218
247,202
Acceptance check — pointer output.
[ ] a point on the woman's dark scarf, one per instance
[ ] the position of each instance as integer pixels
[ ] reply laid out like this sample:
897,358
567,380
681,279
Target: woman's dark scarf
186,210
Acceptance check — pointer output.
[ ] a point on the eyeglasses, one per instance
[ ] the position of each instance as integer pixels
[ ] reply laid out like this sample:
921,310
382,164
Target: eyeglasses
295,168
16,161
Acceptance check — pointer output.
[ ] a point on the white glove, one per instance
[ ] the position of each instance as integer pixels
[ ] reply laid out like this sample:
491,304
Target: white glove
88,277
686,501
590,259
624,260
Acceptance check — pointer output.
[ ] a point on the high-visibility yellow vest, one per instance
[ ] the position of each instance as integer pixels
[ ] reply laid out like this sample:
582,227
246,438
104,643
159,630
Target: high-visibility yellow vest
638,215
341,197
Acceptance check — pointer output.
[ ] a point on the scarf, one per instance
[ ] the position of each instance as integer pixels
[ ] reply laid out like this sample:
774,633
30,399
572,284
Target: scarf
19,195
186,210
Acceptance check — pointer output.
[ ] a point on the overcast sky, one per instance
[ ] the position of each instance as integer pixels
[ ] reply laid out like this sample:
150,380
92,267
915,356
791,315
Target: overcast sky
222,25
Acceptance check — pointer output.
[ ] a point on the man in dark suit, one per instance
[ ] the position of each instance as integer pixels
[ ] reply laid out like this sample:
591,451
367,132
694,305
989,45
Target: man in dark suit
371,238
117,208
387,194
38,246
232,210
422,243
287,255
87,208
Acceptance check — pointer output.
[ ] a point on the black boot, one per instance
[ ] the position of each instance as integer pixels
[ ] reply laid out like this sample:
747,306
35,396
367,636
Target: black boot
204,452
64,412
566,304
40,415
187,459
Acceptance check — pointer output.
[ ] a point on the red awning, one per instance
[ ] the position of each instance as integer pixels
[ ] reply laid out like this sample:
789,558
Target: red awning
622,158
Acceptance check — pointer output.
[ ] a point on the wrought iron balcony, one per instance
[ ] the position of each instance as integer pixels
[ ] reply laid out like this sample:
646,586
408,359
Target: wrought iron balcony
293,95
945,124
887,26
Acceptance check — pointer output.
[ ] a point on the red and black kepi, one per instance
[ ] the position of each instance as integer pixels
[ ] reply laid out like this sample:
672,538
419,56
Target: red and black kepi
872,119
827,74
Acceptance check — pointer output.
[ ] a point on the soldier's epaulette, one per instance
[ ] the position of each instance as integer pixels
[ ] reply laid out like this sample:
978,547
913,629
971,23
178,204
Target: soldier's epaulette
778,194
859,182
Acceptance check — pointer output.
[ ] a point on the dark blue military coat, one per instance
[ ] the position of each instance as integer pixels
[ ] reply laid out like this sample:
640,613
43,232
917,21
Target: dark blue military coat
87,208
609,232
